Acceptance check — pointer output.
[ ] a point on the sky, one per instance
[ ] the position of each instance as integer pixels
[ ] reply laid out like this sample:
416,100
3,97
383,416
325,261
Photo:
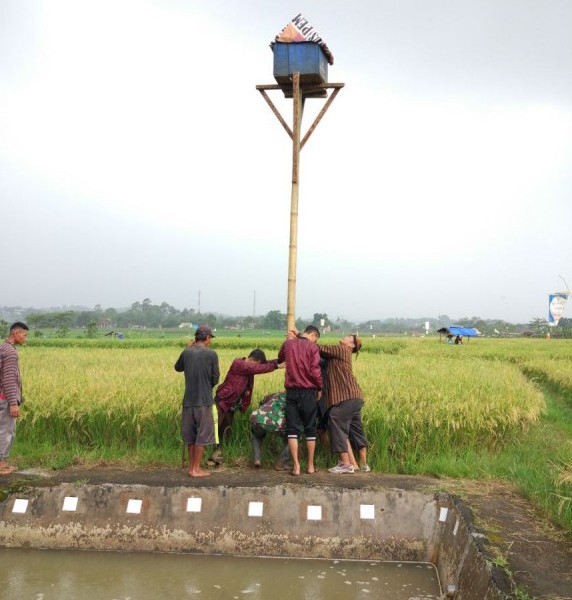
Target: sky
138,160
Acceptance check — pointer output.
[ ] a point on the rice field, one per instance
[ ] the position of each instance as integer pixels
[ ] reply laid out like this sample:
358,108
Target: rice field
420,395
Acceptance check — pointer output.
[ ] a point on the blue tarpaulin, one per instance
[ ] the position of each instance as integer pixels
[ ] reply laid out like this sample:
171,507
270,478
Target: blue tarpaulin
463,331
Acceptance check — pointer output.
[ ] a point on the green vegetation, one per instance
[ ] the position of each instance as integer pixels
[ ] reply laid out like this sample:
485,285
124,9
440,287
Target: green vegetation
153,320
487,409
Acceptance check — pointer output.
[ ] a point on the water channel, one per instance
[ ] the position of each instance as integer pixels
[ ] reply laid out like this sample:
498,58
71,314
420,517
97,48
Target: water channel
83,575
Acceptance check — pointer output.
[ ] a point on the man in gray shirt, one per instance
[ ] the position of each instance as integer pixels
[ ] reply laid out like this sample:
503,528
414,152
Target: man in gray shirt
200,365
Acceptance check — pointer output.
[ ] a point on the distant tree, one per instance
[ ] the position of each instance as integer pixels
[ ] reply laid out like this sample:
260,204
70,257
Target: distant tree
62,331
85,316
482,326
4,326
91,331
111,314
318,318
187,315
344,325
300,324
51,320
250,322
167,309
35,320
66,318
209,319
229,321
538,325
274,320
468,321
564,327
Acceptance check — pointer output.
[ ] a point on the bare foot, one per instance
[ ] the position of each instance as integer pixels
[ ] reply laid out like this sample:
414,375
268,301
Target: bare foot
295,470
199,473
311,470
257,464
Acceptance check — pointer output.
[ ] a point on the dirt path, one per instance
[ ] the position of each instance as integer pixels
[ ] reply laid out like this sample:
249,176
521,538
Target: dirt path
533,555
530,555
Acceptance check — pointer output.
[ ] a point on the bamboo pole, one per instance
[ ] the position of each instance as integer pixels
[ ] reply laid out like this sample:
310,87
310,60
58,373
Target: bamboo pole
298,96
292,255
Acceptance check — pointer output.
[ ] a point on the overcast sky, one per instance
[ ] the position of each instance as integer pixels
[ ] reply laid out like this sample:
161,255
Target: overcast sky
138,160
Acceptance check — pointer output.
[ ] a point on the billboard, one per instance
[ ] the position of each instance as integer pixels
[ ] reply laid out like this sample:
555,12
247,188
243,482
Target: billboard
556,302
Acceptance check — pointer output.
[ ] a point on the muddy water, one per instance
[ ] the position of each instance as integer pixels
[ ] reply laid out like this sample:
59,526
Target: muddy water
65,575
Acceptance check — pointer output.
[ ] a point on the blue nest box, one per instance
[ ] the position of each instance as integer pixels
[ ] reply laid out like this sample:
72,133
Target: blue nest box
305,57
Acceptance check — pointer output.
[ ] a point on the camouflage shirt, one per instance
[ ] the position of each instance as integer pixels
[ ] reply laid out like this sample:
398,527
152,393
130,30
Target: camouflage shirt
271,414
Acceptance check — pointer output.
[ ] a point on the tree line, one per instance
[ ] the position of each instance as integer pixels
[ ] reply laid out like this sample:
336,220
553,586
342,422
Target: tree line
146,314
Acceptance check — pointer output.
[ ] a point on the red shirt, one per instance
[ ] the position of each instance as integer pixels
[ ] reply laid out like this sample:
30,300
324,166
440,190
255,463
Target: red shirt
302,364
239,382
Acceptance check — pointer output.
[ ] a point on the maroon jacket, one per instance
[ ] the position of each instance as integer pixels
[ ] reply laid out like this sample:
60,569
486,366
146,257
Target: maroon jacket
239,383
302,364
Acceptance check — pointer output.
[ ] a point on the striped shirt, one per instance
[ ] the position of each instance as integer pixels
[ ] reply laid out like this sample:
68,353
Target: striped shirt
10,382
340,382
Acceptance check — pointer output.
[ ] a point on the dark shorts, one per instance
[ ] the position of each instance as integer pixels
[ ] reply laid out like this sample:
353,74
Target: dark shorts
301,412
322,423
345,423
197,425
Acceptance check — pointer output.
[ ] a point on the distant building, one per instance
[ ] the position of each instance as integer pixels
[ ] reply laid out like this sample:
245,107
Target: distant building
185,326
105,324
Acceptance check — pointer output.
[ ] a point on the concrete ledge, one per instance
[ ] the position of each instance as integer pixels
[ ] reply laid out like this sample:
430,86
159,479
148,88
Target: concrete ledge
281,520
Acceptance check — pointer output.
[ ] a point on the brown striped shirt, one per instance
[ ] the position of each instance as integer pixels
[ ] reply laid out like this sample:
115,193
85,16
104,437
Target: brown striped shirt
10,383
341,384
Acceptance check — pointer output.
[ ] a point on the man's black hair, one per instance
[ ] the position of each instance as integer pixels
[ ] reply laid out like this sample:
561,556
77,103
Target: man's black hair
18,325
201,337
258,355
312,329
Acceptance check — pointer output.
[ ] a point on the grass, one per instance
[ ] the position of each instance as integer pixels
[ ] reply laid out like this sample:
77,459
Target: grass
487,409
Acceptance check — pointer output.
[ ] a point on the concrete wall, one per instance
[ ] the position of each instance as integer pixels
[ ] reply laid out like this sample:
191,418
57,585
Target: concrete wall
283,520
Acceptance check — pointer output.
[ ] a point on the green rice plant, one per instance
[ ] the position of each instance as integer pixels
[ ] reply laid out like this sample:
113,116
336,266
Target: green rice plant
414,407
556,372
563,485
128,398
105,398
